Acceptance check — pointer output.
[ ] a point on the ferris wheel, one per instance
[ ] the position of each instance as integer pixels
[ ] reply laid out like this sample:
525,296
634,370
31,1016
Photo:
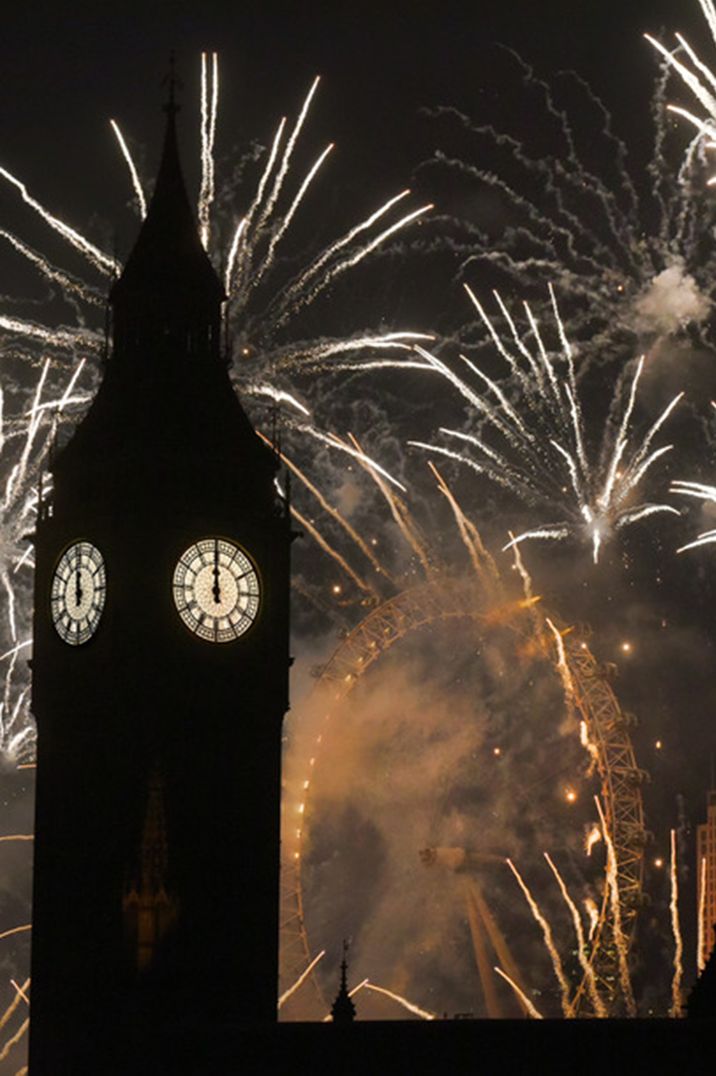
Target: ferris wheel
605,731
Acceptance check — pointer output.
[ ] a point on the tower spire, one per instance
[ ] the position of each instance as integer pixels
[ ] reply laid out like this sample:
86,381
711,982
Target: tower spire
168,292
343,1010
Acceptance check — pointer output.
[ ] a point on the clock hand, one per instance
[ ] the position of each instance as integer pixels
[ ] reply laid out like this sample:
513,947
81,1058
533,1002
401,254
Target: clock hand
78,587
216,589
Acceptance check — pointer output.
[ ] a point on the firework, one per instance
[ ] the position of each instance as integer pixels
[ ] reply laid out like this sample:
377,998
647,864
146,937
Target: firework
620,940
548,939
537,446
424,1014
701,926
699,79
631,256
531,1009
701,492
582,954
301,979
677,1001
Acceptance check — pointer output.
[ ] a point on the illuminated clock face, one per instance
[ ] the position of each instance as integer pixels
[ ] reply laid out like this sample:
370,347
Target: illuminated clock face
78,593
216,590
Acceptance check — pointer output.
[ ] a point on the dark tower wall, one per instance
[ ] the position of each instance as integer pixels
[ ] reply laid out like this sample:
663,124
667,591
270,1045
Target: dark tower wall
165,456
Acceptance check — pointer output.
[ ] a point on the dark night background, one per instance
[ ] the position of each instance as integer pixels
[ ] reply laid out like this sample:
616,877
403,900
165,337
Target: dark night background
64,73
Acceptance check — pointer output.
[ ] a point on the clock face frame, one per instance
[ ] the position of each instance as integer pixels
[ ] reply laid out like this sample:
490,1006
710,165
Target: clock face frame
216,590
77,594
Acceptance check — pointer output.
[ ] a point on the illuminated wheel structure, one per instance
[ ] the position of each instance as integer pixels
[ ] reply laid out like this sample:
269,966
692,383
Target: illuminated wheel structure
607,725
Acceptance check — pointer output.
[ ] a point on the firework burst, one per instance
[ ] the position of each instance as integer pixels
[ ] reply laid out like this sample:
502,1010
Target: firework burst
698,78
532,439
559,203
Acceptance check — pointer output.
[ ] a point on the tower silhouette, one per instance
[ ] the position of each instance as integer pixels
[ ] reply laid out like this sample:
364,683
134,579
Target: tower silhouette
160,680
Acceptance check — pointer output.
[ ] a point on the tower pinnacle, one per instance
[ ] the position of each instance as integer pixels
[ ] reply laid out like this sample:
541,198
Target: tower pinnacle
343,1010
168,288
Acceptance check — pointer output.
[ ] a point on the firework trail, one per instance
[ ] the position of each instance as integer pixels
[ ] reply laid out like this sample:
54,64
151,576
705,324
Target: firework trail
698,78
562,666
26,434
701,926
592,837
549,941
582,954
701,492
633,258
424,1014
615,902
14,1039
300,980
677,1000
531,1009
537,449
593,913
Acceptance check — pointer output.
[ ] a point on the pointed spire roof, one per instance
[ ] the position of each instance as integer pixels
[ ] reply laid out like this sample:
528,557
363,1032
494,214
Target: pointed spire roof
343,1010
168,258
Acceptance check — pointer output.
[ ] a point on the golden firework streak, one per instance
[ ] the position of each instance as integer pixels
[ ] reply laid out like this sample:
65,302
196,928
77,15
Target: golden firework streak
534,1012
615,902
397,507
676,999
327,548
583,956
329,508
300,980
701,940
549,941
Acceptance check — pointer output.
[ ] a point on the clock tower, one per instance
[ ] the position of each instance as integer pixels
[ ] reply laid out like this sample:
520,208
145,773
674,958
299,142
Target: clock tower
160,681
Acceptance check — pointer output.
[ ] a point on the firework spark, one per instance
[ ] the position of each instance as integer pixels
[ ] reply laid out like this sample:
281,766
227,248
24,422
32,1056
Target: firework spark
538,450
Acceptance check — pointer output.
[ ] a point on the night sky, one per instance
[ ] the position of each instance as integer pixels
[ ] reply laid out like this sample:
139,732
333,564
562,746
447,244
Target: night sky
66,72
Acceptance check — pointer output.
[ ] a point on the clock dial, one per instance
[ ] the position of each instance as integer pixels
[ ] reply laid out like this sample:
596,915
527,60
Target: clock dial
216,590
78,592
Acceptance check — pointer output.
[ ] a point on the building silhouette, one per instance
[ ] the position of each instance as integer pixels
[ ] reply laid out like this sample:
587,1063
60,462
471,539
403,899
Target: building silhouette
160,680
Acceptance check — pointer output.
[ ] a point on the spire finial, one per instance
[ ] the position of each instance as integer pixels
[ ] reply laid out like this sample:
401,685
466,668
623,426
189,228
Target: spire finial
343,1010
173,83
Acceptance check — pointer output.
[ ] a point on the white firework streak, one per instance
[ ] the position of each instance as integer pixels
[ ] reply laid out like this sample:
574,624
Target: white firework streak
209,108
610,245
133,173
697,77
702,492
25,438
424,1014
253,253
97,258
334,441
542,457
